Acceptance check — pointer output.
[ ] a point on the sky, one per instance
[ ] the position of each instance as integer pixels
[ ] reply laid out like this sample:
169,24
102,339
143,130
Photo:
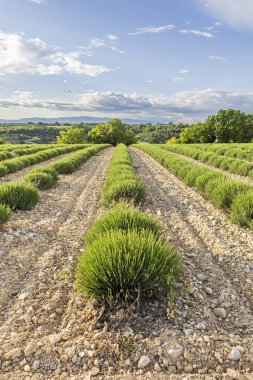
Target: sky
151,60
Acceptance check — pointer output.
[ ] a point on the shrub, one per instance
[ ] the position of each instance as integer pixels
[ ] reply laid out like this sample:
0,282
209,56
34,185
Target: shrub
242,209
122,265
41,180
202,180
46,170
224,193
122,217
63,167
5,213
3,170
18,195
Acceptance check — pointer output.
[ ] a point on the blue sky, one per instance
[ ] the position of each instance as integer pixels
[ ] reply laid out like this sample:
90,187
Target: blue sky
152,60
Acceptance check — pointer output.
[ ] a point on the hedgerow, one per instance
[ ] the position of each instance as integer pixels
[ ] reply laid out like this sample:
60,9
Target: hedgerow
219,188
122,183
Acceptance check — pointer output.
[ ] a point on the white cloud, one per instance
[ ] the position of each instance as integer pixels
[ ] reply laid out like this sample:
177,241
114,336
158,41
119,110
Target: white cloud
178,79
184,71
236,13
217,57
151,29
33,56
185,106
96,43
39,1
197,33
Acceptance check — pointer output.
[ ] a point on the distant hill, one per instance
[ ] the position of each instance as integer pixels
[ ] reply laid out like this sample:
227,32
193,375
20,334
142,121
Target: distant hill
71,120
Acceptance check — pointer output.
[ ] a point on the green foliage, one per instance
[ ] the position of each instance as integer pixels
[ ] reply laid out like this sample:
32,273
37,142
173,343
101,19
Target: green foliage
122,217
2,140
122,183
42,181
5,213
17,195
72,136
113,132
3,170
242,209
173,140
125,265
224,193
198,133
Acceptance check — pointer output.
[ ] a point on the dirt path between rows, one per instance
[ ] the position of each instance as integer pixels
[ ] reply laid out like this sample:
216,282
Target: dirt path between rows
226,172
17,176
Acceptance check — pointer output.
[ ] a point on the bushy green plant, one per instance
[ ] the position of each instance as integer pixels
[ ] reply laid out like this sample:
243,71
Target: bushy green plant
224,193
122,265
242,209
42,181
17,195
122,217
3,170
5,213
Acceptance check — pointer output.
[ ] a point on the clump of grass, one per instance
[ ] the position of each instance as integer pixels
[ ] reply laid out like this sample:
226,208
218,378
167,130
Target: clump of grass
224,193
18,195
126,265
242,209
122,217
42,181
3,170
5,213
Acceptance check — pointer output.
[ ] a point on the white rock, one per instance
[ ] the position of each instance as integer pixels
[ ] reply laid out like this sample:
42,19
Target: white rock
234,354
23,296
188,332
95,371
55,338
208,291
200,276
201,326
175,352
30,349
220,312
143,362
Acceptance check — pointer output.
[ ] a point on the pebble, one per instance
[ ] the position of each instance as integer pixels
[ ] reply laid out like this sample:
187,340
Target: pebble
55,338
208,291
143,362
234,354
101,335
174,353
188,332
200,276
30,349
220,312
201,326
15,353
23,296
95,371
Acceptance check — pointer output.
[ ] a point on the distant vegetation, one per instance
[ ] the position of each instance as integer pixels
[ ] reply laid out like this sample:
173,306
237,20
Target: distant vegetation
225,127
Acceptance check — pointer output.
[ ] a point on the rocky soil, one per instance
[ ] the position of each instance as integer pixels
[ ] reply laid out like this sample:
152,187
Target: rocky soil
201,330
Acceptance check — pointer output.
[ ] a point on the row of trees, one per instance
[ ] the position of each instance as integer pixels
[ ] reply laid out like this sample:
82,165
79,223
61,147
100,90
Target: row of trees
225,127
113,132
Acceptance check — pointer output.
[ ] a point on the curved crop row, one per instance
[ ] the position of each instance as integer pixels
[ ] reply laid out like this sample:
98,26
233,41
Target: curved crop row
24,195
232,165
122,182
15,164
220,189
241,151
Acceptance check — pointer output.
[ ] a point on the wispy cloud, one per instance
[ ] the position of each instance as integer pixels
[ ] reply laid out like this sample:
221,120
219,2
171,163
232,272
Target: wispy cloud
108,41
39,1
184,70
151,29
217,57
197,33
33,56
187,105
178,79
236,13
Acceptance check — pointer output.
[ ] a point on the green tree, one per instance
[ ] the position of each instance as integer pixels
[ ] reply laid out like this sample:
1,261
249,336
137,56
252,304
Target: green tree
2,140
113,132
72,136
173,140
198,133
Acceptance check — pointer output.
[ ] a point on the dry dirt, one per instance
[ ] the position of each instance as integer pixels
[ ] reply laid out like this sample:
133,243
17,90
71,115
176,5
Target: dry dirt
51,332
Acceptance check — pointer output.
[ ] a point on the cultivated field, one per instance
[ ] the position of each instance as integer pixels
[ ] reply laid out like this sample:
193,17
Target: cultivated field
126,263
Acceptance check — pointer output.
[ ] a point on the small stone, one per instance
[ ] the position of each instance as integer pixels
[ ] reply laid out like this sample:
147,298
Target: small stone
208,291
234,354
13,354
95,371
175,352
30,349
157,367
220,312
27,368
101,335
188,332
23,296
201,326
200,276
143,362
55,338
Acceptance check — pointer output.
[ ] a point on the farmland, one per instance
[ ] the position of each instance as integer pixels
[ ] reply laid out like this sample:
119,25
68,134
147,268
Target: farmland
126,262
